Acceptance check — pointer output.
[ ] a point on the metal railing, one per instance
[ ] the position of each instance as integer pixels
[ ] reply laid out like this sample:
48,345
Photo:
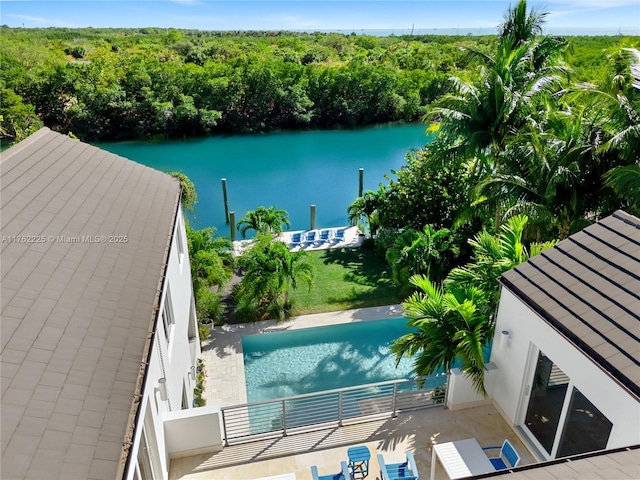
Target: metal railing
331,407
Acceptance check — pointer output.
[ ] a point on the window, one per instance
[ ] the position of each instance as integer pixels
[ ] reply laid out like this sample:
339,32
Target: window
167,315
179,242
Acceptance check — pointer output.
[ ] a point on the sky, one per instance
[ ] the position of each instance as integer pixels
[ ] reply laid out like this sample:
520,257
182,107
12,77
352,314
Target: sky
566,17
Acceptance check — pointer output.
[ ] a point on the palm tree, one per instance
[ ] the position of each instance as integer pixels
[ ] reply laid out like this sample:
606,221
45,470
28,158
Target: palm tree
493,255
452,330
554,177
521,26
625,181
271,270
481,119
264,220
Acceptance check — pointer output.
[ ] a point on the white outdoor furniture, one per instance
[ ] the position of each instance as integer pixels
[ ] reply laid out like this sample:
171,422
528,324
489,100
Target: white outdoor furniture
460,459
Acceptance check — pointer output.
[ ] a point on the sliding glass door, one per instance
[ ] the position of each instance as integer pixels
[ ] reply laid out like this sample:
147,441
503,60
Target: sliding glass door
559,419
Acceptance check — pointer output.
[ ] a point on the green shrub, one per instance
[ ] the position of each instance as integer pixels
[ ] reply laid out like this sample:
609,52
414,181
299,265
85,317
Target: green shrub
209,308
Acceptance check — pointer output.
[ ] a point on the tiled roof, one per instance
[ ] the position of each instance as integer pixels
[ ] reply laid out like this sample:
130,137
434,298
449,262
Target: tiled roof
76,311
588,288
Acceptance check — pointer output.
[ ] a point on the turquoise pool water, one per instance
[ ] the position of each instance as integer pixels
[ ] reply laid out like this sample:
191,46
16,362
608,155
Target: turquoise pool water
283,364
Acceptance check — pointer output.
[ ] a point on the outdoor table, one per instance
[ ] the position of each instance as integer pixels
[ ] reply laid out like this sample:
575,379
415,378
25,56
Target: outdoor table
460,459
359,461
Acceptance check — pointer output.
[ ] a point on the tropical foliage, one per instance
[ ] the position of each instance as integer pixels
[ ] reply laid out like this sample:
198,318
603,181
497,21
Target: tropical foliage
264,220
212,264
269,271
430,252
451,326
454,322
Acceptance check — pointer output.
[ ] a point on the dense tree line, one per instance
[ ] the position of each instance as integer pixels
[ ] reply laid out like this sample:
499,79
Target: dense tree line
106,84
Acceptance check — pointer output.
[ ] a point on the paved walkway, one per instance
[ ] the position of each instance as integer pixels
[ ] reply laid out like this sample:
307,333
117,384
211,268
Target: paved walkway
222,351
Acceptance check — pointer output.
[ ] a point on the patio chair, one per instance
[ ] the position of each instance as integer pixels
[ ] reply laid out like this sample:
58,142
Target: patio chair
507,458
406,470
342,475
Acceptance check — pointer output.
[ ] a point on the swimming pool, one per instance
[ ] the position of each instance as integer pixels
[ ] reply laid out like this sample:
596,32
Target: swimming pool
294,362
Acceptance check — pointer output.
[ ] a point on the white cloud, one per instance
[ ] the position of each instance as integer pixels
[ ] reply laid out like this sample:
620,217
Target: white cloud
28,18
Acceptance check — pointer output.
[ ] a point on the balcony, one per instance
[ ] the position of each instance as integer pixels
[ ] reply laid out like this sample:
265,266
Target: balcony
416,431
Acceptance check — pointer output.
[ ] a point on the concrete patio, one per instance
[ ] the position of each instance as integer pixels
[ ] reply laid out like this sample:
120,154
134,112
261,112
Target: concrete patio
416,431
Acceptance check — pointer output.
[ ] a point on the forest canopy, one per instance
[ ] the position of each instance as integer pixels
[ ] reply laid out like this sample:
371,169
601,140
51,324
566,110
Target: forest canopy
114,84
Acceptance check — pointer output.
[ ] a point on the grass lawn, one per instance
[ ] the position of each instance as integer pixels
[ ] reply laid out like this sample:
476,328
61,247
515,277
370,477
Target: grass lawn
346,278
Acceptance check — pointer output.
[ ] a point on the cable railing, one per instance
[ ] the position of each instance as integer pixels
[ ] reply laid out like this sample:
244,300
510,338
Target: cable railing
332,407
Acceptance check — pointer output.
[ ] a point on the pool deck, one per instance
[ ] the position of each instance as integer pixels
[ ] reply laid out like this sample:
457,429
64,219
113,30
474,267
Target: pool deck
222,351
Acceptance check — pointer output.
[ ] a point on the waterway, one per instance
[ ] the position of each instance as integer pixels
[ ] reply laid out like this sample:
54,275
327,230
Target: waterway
289,170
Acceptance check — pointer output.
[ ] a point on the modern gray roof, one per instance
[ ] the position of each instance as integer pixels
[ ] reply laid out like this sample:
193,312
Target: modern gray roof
587,287
76,312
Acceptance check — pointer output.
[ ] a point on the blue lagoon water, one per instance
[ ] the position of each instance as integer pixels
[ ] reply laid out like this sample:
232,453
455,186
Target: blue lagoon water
283,364
289,170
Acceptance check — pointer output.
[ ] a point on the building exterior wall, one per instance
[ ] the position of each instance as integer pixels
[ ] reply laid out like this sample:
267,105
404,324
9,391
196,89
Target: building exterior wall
172,357
514,363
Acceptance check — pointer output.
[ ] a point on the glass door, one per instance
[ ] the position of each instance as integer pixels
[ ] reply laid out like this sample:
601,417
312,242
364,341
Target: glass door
560,420
548,393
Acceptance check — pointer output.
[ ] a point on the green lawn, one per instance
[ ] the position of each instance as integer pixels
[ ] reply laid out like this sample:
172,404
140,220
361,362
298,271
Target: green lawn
346,278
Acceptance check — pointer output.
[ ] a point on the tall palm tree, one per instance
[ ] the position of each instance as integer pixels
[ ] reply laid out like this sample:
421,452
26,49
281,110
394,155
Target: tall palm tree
264,220
452,329
271,270
481,119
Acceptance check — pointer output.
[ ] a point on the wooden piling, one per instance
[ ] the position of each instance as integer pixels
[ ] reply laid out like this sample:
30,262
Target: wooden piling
226,202
232,225
313,217
361,182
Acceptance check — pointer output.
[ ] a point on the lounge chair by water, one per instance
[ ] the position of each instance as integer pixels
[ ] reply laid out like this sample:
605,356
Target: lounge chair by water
339,236
296,238
311,237
325,235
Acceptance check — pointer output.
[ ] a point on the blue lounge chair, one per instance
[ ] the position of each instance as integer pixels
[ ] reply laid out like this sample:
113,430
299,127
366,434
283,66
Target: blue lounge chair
339,236
325,235
507,458
406,470
342,475
296,239
311,237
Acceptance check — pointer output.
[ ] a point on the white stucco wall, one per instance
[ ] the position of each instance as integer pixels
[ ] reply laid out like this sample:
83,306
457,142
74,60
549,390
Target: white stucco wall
170,358
527,328
193,431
